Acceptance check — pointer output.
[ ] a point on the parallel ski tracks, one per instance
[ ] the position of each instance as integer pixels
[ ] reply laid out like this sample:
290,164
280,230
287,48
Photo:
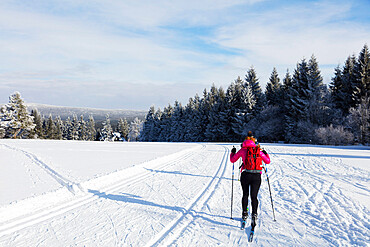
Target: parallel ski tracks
20,223
175,228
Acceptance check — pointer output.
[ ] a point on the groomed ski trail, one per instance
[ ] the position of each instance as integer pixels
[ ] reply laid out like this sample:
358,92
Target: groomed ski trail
184,200
48,212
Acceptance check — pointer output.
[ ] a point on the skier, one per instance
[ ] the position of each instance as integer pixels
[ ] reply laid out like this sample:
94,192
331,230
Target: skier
251,170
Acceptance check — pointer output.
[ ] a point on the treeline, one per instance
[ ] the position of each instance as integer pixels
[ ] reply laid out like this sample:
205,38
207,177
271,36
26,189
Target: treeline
17,122
300,108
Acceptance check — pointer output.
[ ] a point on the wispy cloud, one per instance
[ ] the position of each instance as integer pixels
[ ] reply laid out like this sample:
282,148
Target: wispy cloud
110,52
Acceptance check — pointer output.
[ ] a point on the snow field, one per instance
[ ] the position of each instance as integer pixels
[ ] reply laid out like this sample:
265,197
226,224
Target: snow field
179,195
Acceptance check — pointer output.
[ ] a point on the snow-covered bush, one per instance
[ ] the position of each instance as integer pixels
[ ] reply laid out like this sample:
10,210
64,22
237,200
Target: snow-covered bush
333,135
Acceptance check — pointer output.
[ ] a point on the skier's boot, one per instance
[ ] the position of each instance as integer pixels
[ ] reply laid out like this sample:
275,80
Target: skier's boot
245,215
254,220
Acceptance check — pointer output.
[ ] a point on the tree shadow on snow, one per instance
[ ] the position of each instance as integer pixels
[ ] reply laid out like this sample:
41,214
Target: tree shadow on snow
185,174
135,199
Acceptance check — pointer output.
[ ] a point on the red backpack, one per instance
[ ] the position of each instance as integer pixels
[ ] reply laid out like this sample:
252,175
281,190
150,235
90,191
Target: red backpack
253,160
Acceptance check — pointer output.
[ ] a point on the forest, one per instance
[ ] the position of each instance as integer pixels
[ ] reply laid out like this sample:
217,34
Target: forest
300,108
17,122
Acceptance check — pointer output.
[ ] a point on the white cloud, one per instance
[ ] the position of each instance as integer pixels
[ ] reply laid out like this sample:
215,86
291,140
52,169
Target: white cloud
55,47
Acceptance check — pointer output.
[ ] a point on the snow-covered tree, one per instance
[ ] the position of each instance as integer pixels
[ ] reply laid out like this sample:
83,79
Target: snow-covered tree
82,129
135,129
91,130
165,124
273,90
106,133
251,80
67,131
75,134
362,73
123,128
59,127
148,128
38,121
50,128
14,118
177,126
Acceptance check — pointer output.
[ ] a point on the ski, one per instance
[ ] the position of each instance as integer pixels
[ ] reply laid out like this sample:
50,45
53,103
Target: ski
242,227
250,239
253,225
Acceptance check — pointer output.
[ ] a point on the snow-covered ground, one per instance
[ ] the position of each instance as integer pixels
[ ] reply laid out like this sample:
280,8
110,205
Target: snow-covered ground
66,193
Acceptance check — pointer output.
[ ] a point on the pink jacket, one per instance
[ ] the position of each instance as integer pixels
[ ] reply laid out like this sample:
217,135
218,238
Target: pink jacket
243,153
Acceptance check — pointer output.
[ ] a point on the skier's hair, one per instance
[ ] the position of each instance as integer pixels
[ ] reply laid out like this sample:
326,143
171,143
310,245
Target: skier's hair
250,137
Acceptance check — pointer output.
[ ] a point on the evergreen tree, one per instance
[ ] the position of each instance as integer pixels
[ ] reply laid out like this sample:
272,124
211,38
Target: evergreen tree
297,102
157,125
50,128
124,128
336,87
218,121
91,131
240,102
59,126
252,81
177,126
362,72
349,89
273,89
165,124
67,132
193,120
15,121
107,131
75,135
135,129
82,129
37,120
317,91
148,127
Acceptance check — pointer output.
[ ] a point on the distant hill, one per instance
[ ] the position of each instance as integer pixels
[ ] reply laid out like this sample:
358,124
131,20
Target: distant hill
98,114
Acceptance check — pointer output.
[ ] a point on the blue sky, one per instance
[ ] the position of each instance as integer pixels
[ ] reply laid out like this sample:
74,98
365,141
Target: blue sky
119,54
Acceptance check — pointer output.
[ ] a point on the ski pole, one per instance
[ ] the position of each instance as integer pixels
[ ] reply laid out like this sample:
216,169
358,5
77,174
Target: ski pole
232,193
268,182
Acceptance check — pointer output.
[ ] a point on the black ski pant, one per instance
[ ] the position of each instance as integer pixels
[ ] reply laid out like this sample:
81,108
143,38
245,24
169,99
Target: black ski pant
252,181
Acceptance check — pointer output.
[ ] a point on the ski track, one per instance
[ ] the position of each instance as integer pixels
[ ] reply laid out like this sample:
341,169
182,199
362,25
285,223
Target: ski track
312,206
86,198
178,226
64,182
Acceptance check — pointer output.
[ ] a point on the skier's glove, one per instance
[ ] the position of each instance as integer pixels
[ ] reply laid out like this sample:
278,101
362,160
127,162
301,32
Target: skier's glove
233,150
264,151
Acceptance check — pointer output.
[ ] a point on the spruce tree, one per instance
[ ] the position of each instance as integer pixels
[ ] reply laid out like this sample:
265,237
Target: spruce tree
317,91
349,88
59,126
67,132
362,72
177,126
124,128
75,134
165,124
91,130
157,125
135,129
37,120
147,133
14,118
82,129
273,89
106,131
50,128
252,81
